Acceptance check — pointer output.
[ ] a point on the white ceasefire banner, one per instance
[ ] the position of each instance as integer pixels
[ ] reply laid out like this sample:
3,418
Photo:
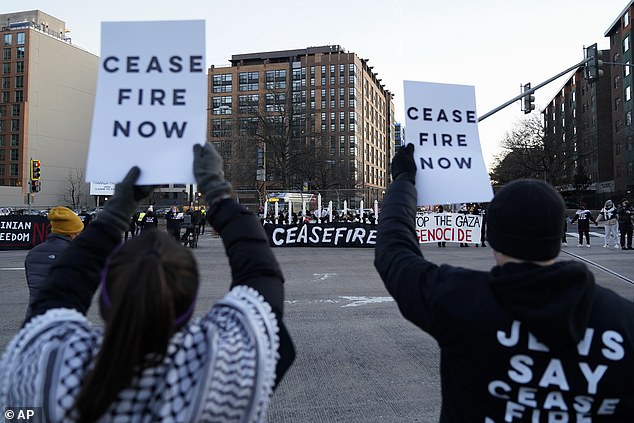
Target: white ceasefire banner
150,107
442,124
448,227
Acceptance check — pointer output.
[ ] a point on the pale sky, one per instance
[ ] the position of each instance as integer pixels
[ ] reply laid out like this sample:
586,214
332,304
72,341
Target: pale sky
494,45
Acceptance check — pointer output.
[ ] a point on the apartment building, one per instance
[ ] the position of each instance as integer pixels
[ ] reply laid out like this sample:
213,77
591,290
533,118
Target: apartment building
620,55
578,133
46,104
317,119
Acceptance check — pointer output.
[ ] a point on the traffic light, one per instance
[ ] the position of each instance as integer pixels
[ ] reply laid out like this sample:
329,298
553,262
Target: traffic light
592,70
36,186
35,170
528,100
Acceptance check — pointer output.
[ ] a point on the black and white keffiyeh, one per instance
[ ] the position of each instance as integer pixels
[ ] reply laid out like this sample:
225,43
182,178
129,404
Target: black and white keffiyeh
220,367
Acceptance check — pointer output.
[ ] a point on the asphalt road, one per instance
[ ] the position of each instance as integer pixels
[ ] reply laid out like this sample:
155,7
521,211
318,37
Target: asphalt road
358,360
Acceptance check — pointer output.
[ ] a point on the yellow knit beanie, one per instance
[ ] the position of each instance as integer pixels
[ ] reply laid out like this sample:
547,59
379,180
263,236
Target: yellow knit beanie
64,221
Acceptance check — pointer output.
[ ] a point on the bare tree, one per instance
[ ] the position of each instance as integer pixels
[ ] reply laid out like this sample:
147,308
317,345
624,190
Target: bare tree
529,154
76,191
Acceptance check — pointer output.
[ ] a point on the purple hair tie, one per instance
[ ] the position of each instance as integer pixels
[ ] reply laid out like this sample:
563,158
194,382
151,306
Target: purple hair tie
105,298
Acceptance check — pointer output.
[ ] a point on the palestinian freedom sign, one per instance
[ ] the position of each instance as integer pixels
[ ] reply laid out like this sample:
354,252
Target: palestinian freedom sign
22,232
448,227
442,124
151,102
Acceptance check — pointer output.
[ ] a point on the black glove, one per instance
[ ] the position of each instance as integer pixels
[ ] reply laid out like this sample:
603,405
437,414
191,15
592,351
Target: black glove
403,165
209,174
123,204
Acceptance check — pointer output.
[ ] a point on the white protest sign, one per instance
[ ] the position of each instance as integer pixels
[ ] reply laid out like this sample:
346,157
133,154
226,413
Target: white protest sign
151,101
442,124
101,188
448,227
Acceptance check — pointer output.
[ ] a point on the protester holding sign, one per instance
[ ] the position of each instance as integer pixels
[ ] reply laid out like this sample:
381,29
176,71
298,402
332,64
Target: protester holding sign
151,363
533,339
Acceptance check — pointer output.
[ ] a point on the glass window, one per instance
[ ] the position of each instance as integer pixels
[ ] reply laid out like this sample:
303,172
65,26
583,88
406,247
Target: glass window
248,103
2,153
13,169
275,79
6,83
19,52
626,68
626,44
19,96
14,155
6,68
8,39
14,140
16,110
628,93
19,67
222,83
15,125
626,19
628,118
221,128
19,81
5,97
21,38
248,81
6,53
221,105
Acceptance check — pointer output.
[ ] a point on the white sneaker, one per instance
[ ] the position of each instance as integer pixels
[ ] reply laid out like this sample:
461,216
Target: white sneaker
579,245
605,245
617,247
587,245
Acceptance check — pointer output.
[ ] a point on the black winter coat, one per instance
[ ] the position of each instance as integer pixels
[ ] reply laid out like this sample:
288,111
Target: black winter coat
520,343
39,260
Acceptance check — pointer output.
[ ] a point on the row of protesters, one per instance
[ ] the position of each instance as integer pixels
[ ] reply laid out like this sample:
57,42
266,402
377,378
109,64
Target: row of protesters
531,339
583,217
152,361
282,218
616,220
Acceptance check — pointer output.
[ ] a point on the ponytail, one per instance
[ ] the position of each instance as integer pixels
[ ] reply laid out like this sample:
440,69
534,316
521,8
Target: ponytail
146,289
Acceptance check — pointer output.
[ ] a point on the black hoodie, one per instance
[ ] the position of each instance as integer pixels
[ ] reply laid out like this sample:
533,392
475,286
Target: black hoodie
522,343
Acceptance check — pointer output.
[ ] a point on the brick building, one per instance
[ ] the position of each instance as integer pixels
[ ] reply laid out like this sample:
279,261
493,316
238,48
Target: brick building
316,119
46,103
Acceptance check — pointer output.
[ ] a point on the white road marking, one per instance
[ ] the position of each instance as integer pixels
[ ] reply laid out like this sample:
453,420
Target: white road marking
351,301
359,301
323,276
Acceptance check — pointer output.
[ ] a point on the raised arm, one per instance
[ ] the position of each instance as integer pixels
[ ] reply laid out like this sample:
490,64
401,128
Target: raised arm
407,276
251,258
74,277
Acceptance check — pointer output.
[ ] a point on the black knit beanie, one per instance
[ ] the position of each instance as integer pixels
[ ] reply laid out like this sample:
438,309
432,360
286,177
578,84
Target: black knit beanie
525,220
